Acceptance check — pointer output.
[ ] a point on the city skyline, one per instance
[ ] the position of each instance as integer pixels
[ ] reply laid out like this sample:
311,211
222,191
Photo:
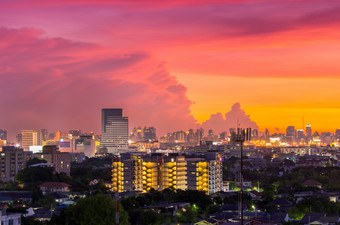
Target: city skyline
173,65
218,123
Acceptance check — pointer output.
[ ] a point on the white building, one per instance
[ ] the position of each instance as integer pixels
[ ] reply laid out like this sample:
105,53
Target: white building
9,218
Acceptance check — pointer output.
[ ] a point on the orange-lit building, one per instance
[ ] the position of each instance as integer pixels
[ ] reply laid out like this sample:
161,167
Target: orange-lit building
156,171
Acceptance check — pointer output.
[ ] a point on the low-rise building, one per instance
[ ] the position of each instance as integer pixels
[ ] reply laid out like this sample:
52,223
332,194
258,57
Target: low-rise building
48,187
61,160
7,218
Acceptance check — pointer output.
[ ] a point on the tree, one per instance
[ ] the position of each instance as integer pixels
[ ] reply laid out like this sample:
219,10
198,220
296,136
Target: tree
187,215
314,204
92,210
149,217
212,209
33,176
200,198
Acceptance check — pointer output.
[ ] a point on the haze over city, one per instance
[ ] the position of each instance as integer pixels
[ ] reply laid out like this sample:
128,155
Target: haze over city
170,64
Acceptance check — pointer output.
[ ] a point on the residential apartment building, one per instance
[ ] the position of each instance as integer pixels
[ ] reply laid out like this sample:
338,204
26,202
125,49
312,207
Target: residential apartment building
61,160
12,160
136,172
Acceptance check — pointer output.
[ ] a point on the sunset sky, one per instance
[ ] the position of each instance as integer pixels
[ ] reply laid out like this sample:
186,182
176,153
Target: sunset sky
169,64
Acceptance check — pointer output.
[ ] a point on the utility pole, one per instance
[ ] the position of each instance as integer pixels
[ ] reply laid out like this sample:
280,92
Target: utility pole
240,137
117,207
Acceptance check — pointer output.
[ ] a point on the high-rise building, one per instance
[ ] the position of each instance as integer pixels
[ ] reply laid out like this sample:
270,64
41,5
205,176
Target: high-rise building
29,138
115,130
174,172
199,135
267,133
300,134
131,172
223,136
308,130
86,144
291,133
19,139
254,133
12,160
210,135
337,134
3,134
149,134
43,135
191,136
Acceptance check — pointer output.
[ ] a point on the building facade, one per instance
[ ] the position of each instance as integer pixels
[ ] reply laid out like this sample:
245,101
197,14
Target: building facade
3,134
132,172
29,138
115,130
12,160
61,160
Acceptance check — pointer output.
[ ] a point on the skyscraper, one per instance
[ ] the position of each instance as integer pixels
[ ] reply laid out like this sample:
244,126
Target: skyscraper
337,134
300,134
291,133
29,138
308,130
3,134
149,134
115,130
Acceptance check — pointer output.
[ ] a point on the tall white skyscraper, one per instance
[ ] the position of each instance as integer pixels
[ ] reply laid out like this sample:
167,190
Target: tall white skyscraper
115,130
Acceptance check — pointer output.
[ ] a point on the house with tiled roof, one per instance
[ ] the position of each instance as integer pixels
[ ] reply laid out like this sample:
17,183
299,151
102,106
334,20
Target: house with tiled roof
312,183
48,187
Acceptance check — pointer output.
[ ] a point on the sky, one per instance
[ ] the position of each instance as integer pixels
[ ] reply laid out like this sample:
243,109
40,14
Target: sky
170,64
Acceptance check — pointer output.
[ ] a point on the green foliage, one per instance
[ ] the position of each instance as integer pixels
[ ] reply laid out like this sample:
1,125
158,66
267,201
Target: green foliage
47,201
149,217
218,200
92,210
83,174
37,195
10,186
33,176
200,198
30,221
156,196
212,209
268,193
187,215
312,204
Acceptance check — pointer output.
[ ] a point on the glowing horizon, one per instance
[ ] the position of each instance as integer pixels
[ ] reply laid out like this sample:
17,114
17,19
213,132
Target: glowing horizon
169,64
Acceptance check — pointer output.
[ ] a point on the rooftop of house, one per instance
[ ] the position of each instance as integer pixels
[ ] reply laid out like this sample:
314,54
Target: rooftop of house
311,183
54,185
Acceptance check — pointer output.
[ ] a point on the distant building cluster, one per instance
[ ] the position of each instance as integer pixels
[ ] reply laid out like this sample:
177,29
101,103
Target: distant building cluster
143,172
191,137
59,149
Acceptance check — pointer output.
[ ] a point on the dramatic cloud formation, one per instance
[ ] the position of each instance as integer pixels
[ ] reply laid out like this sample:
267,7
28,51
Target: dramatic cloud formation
61,84
61,61
236,117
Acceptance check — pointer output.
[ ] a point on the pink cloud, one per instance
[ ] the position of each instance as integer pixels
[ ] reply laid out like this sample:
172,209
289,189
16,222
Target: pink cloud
62,84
